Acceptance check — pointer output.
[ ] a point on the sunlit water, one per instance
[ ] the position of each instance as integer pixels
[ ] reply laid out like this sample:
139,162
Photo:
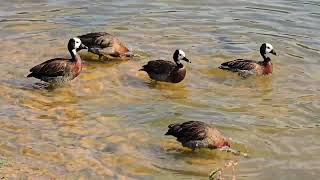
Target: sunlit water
110,121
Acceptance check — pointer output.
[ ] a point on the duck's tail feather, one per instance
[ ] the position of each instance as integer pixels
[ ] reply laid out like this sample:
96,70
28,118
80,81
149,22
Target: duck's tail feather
30,75
224,67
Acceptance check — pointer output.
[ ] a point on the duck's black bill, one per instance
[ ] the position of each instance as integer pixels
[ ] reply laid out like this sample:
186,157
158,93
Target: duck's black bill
273,52
187,60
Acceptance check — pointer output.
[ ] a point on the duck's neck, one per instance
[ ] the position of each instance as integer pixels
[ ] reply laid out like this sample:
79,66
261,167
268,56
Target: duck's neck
266,58
179,64
74,56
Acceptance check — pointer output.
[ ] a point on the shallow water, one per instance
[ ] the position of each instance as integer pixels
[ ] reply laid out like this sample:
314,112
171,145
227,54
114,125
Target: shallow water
111,120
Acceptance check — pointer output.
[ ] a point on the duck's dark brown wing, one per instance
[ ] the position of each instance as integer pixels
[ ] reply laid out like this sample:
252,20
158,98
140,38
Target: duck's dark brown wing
159,67
104,44
94,35
239,64
52,68
188,131
97,39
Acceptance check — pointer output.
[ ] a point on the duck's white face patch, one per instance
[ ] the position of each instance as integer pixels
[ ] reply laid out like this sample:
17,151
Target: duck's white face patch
77,42
181,55
269,48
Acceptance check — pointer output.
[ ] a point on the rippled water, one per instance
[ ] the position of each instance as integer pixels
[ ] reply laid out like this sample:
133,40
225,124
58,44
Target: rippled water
110,121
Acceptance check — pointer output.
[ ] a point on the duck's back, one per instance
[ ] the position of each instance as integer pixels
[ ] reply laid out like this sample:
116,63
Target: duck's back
188,131
194,134
104,40
159,69
97,39
239,64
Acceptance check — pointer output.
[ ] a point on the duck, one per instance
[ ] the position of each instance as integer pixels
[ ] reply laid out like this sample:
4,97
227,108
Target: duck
251,67
167,71
60,70
104,44
197,134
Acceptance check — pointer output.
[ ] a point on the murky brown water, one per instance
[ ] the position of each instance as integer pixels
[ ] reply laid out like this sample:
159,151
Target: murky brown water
110,121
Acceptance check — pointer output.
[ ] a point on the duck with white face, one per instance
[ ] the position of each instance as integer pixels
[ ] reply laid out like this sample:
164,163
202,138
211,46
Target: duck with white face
265,49
167,71
60,70
250,67
179,56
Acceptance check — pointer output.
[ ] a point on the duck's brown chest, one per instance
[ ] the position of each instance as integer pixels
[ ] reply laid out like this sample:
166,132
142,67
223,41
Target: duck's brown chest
77,67
268,68
178,75
215,138
119,47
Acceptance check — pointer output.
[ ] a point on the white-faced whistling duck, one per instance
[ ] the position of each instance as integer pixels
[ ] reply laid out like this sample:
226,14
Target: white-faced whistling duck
167,71
197,134
105,44
250,67
60,70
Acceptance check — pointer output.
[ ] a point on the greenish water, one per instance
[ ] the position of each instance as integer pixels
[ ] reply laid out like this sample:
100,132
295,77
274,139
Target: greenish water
109,123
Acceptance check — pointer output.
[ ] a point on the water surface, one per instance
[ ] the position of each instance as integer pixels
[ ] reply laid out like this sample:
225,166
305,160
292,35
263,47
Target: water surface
110,121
